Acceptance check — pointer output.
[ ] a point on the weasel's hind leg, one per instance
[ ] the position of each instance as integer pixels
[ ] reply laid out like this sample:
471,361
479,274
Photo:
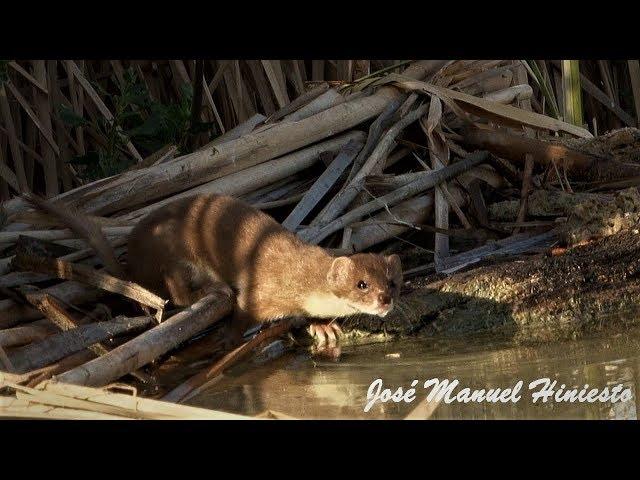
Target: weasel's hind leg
186,284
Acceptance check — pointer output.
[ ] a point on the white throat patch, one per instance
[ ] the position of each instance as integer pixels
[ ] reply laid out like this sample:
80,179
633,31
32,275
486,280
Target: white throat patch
325,305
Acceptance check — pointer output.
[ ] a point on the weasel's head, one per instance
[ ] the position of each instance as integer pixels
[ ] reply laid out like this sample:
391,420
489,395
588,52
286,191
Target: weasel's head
369,283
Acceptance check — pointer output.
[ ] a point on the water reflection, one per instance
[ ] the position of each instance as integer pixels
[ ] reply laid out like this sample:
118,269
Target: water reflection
305,387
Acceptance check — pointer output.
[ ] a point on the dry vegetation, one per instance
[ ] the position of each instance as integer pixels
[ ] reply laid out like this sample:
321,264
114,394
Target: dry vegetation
446,162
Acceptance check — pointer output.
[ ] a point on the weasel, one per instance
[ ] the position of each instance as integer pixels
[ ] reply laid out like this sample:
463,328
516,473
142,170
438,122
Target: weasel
188,247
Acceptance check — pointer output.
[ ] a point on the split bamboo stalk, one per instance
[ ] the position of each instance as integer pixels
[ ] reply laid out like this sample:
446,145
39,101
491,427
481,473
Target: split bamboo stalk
16,153
12,337
209,375
12,313
40,86
571,91
323,102
299,102
634,75
317,70
144,185
12,237
90,276
278,86
317,234
149,345
515,148
510,94
507,114
250,179
44,130
237,131
322,185
337,204
413,211
60,345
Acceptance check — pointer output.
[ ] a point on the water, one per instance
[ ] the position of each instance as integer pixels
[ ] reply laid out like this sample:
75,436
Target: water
302,386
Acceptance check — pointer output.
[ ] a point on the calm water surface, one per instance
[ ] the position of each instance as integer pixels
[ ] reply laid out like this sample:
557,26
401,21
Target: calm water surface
299,385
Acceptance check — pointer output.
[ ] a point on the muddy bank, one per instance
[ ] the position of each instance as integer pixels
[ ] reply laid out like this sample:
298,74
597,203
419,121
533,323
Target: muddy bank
539,298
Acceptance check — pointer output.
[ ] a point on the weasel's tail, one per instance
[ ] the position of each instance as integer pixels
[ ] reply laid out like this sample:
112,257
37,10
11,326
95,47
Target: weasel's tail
85,227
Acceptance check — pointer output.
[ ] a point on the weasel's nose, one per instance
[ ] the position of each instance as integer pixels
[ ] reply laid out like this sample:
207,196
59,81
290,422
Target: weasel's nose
384,299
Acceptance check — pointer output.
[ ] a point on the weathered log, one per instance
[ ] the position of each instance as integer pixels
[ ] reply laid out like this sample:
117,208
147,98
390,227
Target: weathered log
412,211
58,346
12,313
299,102
326,100
12,337
322,185
245,181
151,344
339,203
90,276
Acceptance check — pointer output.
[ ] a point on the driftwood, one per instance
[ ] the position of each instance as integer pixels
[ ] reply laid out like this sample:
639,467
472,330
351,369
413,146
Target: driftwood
62,344
208,376
57,400
260,175
90,276
146,347
277,163
316,234
338,204
12,313
299,102
322,185
515,148
12,337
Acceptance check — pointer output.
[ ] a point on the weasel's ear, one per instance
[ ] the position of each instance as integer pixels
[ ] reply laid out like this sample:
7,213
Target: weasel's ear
340,270
395,267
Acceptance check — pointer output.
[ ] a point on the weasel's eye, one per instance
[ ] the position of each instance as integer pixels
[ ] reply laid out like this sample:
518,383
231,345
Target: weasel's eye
362,285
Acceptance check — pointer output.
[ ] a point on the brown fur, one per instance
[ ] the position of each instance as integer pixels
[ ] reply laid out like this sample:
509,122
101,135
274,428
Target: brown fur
192,245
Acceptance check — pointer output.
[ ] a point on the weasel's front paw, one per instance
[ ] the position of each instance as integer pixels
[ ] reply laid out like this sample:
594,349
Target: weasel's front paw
326,338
